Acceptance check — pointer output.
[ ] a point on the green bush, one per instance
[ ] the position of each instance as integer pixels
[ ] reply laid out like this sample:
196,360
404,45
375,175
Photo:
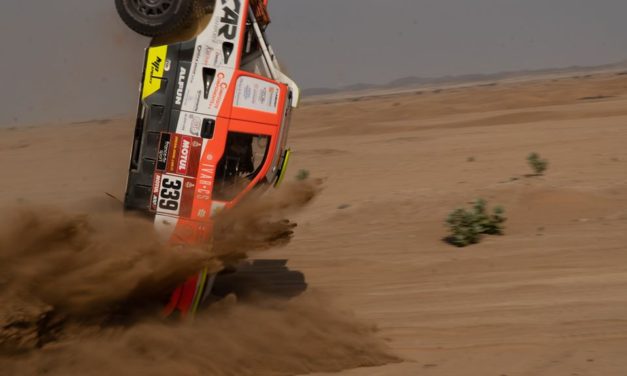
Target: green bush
463,227
538,164
467,226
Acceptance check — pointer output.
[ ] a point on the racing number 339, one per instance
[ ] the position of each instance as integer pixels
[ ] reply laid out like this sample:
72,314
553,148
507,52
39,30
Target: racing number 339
170,194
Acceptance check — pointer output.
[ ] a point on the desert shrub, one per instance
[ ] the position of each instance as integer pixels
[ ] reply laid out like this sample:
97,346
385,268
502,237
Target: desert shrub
467,226
538,164
491,224
463,227
302,175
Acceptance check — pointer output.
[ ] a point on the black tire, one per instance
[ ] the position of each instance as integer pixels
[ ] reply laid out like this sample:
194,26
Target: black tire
154,18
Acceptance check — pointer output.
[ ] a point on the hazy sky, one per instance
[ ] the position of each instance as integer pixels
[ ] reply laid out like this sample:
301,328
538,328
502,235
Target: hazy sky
74,60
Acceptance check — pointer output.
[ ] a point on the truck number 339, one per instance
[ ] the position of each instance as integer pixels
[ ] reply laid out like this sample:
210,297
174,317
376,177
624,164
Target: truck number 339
170,194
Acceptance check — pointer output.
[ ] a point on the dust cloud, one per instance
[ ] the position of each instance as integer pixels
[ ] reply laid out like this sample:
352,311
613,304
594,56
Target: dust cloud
80,294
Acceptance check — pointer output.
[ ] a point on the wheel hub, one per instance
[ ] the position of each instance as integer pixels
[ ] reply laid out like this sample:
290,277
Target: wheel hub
152,8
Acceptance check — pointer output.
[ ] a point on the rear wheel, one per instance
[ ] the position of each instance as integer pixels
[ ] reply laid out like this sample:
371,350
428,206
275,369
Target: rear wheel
157,17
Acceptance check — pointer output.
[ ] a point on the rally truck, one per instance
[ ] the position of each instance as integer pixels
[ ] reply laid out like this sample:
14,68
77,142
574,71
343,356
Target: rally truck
212,121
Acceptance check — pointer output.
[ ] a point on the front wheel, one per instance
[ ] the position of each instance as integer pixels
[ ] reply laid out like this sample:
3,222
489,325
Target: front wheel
154,18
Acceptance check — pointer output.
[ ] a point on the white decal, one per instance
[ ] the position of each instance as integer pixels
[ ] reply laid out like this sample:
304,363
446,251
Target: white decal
170,195
255,94
189,124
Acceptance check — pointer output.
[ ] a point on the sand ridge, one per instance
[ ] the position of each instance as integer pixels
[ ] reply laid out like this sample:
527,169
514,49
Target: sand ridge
547,298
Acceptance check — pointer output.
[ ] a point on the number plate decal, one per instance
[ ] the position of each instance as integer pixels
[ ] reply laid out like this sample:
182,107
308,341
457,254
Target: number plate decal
173,195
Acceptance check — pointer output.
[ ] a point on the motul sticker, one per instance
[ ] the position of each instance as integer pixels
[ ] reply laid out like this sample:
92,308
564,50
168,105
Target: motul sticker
179,154
173,195
255,94
188,154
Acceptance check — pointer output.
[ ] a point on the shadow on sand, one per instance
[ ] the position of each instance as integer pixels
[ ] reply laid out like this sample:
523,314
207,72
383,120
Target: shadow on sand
261,277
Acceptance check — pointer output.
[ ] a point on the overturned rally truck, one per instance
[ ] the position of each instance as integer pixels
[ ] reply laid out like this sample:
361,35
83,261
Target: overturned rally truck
212,120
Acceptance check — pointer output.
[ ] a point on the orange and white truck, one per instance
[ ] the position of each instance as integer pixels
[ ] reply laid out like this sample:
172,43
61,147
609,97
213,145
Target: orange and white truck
212,121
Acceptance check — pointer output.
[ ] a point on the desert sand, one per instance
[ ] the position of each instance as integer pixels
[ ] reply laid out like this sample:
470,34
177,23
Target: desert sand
547,298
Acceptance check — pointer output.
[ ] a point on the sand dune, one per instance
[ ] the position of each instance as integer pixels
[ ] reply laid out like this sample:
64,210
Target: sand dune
547,298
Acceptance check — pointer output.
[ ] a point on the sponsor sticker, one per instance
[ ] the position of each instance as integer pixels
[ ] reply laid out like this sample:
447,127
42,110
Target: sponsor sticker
211,57
185,160
179,154
197,53
156,185
204,187
255,94
219,91
228,26
175,144
190,124
196,126
181,84
164,150
206,179
154,71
